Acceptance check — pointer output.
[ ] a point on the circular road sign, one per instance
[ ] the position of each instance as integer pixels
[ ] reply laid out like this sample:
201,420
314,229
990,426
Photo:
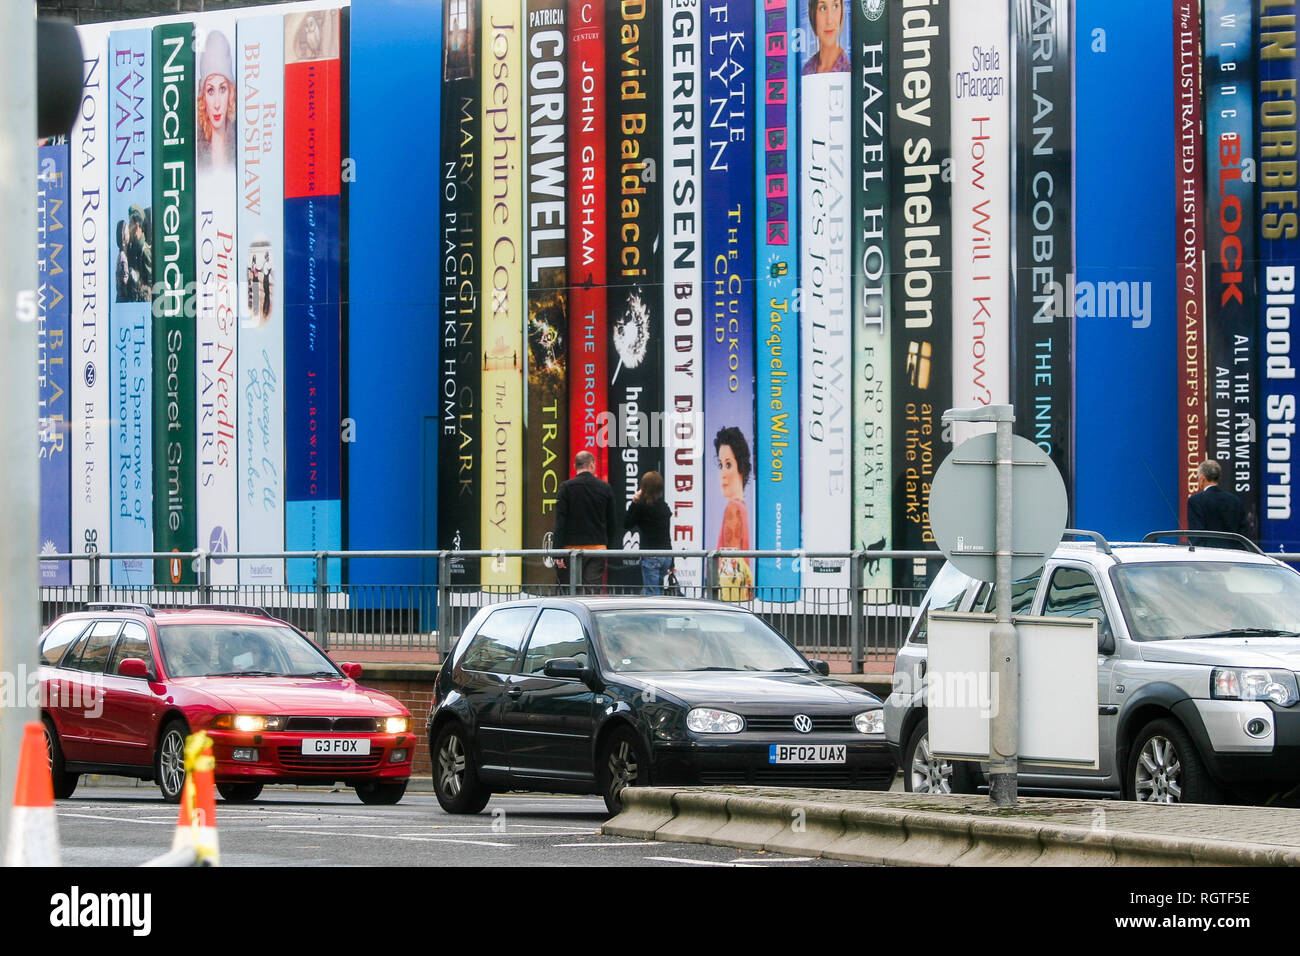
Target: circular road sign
963,506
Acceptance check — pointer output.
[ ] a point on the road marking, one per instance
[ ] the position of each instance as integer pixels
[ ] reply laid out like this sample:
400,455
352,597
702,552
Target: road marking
602,845
92,816
407,837
682,859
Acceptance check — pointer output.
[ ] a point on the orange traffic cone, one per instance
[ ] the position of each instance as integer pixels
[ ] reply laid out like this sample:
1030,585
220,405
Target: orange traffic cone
33,828
197,826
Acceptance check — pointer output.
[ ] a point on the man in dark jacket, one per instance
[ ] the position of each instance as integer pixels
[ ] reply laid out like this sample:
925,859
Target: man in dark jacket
1213,509
586,517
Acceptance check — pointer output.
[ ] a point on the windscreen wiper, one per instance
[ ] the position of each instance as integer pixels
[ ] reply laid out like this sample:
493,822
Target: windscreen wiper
248,674
1246,632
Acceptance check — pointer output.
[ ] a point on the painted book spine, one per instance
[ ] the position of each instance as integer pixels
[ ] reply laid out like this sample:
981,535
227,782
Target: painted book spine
826,248
53,317
921,258
260,271
588,390
92,243
979,84
502,294
872,321
130,318
546,431
684,451
634,354
460,371
1279,256
1042,229
1189,181
313,508
1231,292
175,439
776,329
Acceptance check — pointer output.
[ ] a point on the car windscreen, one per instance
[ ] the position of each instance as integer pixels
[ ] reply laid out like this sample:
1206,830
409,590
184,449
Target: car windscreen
253,650
646,639
1177,599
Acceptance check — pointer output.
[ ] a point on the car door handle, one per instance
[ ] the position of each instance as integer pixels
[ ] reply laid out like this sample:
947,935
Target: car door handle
1107,710
514,693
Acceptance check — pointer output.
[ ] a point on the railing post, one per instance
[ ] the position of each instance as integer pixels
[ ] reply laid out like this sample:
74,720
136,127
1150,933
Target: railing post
711,576
203,569
856,604
444,604
93,561
575,571
322,601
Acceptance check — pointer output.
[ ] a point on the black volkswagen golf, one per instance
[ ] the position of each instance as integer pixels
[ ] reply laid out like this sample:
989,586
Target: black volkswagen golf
592,695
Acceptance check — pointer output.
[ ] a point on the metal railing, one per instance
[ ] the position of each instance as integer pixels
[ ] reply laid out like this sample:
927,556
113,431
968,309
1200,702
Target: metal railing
329,594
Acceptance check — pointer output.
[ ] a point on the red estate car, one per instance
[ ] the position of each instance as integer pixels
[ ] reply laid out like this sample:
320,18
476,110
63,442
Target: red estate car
123,684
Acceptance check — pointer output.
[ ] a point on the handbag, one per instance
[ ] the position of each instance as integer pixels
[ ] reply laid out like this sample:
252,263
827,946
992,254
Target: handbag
671,587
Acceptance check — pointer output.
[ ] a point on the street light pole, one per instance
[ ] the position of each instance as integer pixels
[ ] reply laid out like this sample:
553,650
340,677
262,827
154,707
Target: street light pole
19,480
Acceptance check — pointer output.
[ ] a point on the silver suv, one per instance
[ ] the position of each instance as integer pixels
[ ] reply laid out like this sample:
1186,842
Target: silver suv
1198,649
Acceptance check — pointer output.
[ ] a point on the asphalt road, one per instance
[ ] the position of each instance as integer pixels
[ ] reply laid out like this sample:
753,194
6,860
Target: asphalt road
125,826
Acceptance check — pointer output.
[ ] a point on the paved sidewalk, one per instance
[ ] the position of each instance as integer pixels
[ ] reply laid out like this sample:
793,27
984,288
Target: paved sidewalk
922,829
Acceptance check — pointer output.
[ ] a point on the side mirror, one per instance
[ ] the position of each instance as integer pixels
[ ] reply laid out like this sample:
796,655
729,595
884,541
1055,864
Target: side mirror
821,667
352,671
1105,639
134,667
563,668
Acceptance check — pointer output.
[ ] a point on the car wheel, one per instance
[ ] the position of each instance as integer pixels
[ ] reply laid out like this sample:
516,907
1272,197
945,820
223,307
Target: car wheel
381,794
1165,767
64,783
923,772
621,763
455,781
169,761
239,792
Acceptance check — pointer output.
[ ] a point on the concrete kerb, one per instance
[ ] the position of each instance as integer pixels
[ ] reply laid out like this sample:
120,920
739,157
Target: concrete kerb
840,829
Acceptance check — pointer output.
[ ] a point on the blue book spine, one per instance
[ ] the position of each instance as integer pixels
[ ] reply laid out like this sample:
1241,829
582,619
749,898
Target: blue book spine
130,165
395,285
53,317
1135,349
776,331
1279,256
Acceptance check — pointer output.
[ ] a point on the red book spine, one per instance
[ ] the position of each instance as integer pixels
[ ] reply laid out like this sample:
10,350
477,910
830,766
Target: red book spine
588,375
1190,149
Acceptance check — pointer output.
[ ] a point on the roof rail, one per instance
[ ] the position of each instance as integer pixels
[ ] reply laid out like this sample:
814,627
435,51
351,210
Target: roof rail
119,606
236,608
1102,544
1189,535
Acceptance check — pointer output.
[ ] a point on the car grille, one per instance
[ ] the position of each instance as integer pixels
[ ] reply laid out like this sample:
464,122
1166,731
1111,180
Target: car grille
335,725
846,778
785,724
294,759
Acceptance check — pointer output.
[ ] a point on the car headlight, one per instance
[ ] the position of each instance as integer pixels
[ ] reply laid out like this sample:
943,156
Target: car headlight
1239,683
396,725
247,723
870,722
704,720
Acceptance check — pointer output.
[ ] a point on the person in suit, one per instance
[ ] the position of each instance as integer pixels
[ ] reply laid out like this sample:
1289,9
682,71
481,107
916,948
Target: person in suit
1213,509
586,517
